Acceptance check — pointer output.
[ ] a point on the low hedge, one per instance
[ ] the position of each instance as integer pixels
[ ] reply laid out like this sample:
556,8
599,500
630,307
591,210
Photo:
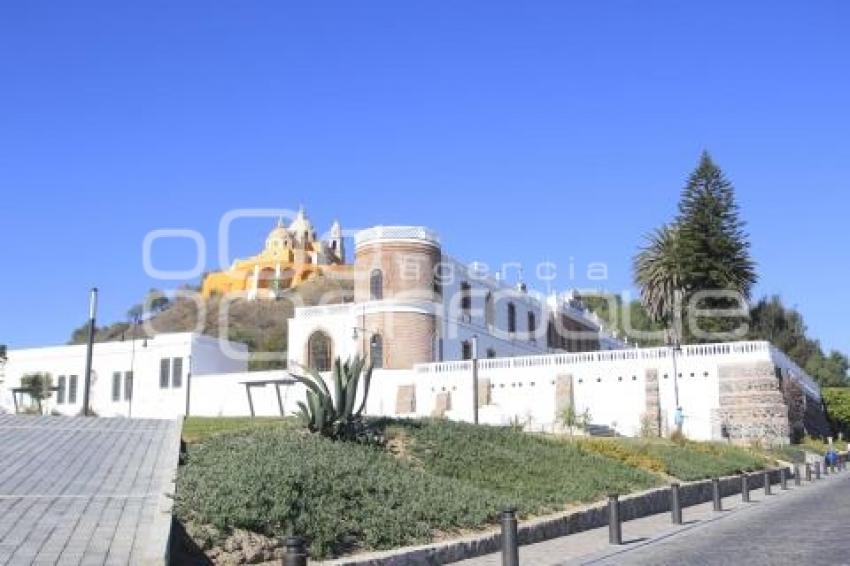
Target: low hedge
687,461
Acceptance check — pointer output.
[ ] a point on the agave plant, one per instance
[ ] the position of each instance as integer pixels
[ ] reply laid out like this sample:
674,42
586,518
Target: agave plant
333,414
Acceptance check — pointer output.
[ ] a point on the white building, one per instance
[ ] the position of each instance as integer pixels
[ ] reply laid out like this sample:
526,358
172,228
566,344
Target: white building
417,313
138,378
413,303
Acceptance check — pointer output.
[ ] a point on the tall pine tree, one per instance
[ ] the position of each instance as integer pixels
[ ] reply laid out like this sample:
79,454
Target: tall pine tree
715,251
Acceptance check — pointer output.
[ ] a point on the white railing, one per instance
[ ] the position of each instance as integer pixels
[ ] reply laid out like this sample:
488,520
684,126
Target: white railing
323,310
796,372
396,233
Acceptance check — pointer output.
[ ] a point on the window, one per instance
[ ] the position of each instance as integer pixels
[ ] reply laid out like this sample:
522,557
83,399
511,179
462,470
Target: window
164,373
72,389
532,327
491,353
177,373
466,301
60,394
376,285
128,385
116,386
489,311
319,351
466,350
376,351
438,281
511,318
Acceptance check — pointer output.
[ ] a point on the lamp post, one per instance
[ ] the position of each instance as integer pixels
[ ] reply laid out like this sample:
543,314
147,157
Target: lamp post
475,379
89,349
676,347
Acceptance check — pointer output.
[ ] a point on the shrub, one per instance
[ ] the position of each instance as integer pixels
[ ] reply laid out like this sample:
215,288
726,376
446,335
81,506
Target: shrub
338,495
837,400
537,473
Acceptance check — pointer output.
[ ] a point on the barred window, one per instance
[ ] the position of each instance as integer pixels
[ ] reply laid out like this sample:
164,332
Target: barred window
177,373
72,389
319,351
116,386
128,385
376,351
60,394
466,350
376,285
164,373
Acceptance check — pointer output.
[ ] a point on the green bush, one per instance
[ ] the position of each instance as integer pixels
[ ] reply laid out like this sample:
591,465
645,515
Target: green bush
538,473
837,400
339,495
345,496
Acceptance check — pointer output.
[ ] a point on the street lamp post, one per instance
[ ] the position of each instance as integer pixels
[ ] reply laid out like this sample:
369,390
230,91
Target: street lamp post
675,347
475,379
89,351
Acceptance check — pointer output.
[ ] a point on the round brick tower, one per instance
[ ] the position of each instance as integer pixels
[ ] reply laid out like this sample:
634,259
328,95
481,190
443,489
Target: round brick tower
394,287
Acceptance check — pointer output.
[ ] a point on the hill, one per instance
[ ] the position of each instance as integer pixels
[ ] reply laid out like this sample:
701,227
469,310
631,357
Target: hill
261,324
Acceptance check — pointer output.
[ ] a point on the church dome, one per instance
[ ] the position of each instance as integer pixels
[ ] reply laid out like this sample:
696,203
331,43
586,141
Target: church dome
278,237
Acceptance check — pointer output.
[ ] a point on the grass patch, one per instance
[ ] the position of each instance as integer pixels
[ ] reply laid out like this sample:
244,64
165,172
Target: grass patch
443,478
199,429
538,473
687,461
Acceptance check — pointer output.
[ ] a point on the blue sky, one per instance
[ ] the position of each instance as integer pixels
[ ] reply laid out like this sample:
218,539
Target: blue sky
520,131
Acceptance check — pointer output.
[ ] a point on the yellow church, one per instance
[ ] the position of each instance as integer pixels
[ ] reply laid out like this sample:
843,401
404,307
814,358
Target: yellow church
291,256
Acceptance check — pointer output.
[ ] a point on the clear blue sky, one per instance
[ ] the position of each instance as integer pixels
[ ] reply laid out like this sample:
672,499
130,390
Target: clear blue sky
521,131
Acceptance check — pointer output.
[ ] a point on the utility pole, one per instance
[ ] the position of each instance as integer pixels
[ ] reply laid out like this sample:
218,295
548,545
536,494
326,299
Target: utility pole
90,347
475,379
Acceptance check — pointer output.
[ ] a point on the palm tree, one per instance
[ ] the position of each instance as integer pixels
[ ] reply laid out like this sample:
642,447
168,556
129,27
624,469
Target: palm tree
658,273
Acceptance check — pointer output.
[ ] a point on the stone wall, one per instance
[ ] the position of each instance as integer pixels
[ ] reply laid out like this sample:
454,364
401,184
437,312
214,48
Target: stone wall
752,404
652,416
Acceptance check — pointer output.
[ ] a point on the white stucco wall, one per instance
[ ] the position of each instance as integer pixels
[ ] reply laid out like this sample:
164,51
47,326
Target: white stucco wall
199,354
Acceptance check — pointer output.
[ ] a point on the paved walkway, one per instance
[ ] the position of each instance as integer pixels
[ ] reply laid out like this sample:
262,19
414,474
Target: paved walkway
805,524
86,491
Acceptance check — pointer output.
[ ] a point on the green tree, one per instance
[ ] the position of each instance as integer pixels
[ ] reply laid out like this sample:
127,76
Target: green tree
705,249
715,248
659,272
157,301
38,385
837,400
785,328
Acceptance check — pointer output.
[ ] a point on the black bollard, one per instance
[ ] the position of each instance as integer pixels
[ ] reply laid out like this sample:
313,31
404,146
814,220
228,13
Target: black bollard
767,482
796,474
783,479
808,472
615,527
745,488
510,548
675,505
295,552
715,494
817,470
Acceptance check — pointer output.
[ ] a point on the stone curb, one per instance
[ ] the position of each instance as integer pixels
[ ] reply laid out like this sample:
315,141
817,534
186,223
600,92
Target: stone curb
595,515
157,550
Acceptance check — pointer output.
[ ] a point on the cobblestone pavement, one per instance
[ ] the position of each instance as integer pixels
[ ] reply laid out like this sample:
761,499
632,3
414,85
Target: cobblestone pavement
804,525
85,490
